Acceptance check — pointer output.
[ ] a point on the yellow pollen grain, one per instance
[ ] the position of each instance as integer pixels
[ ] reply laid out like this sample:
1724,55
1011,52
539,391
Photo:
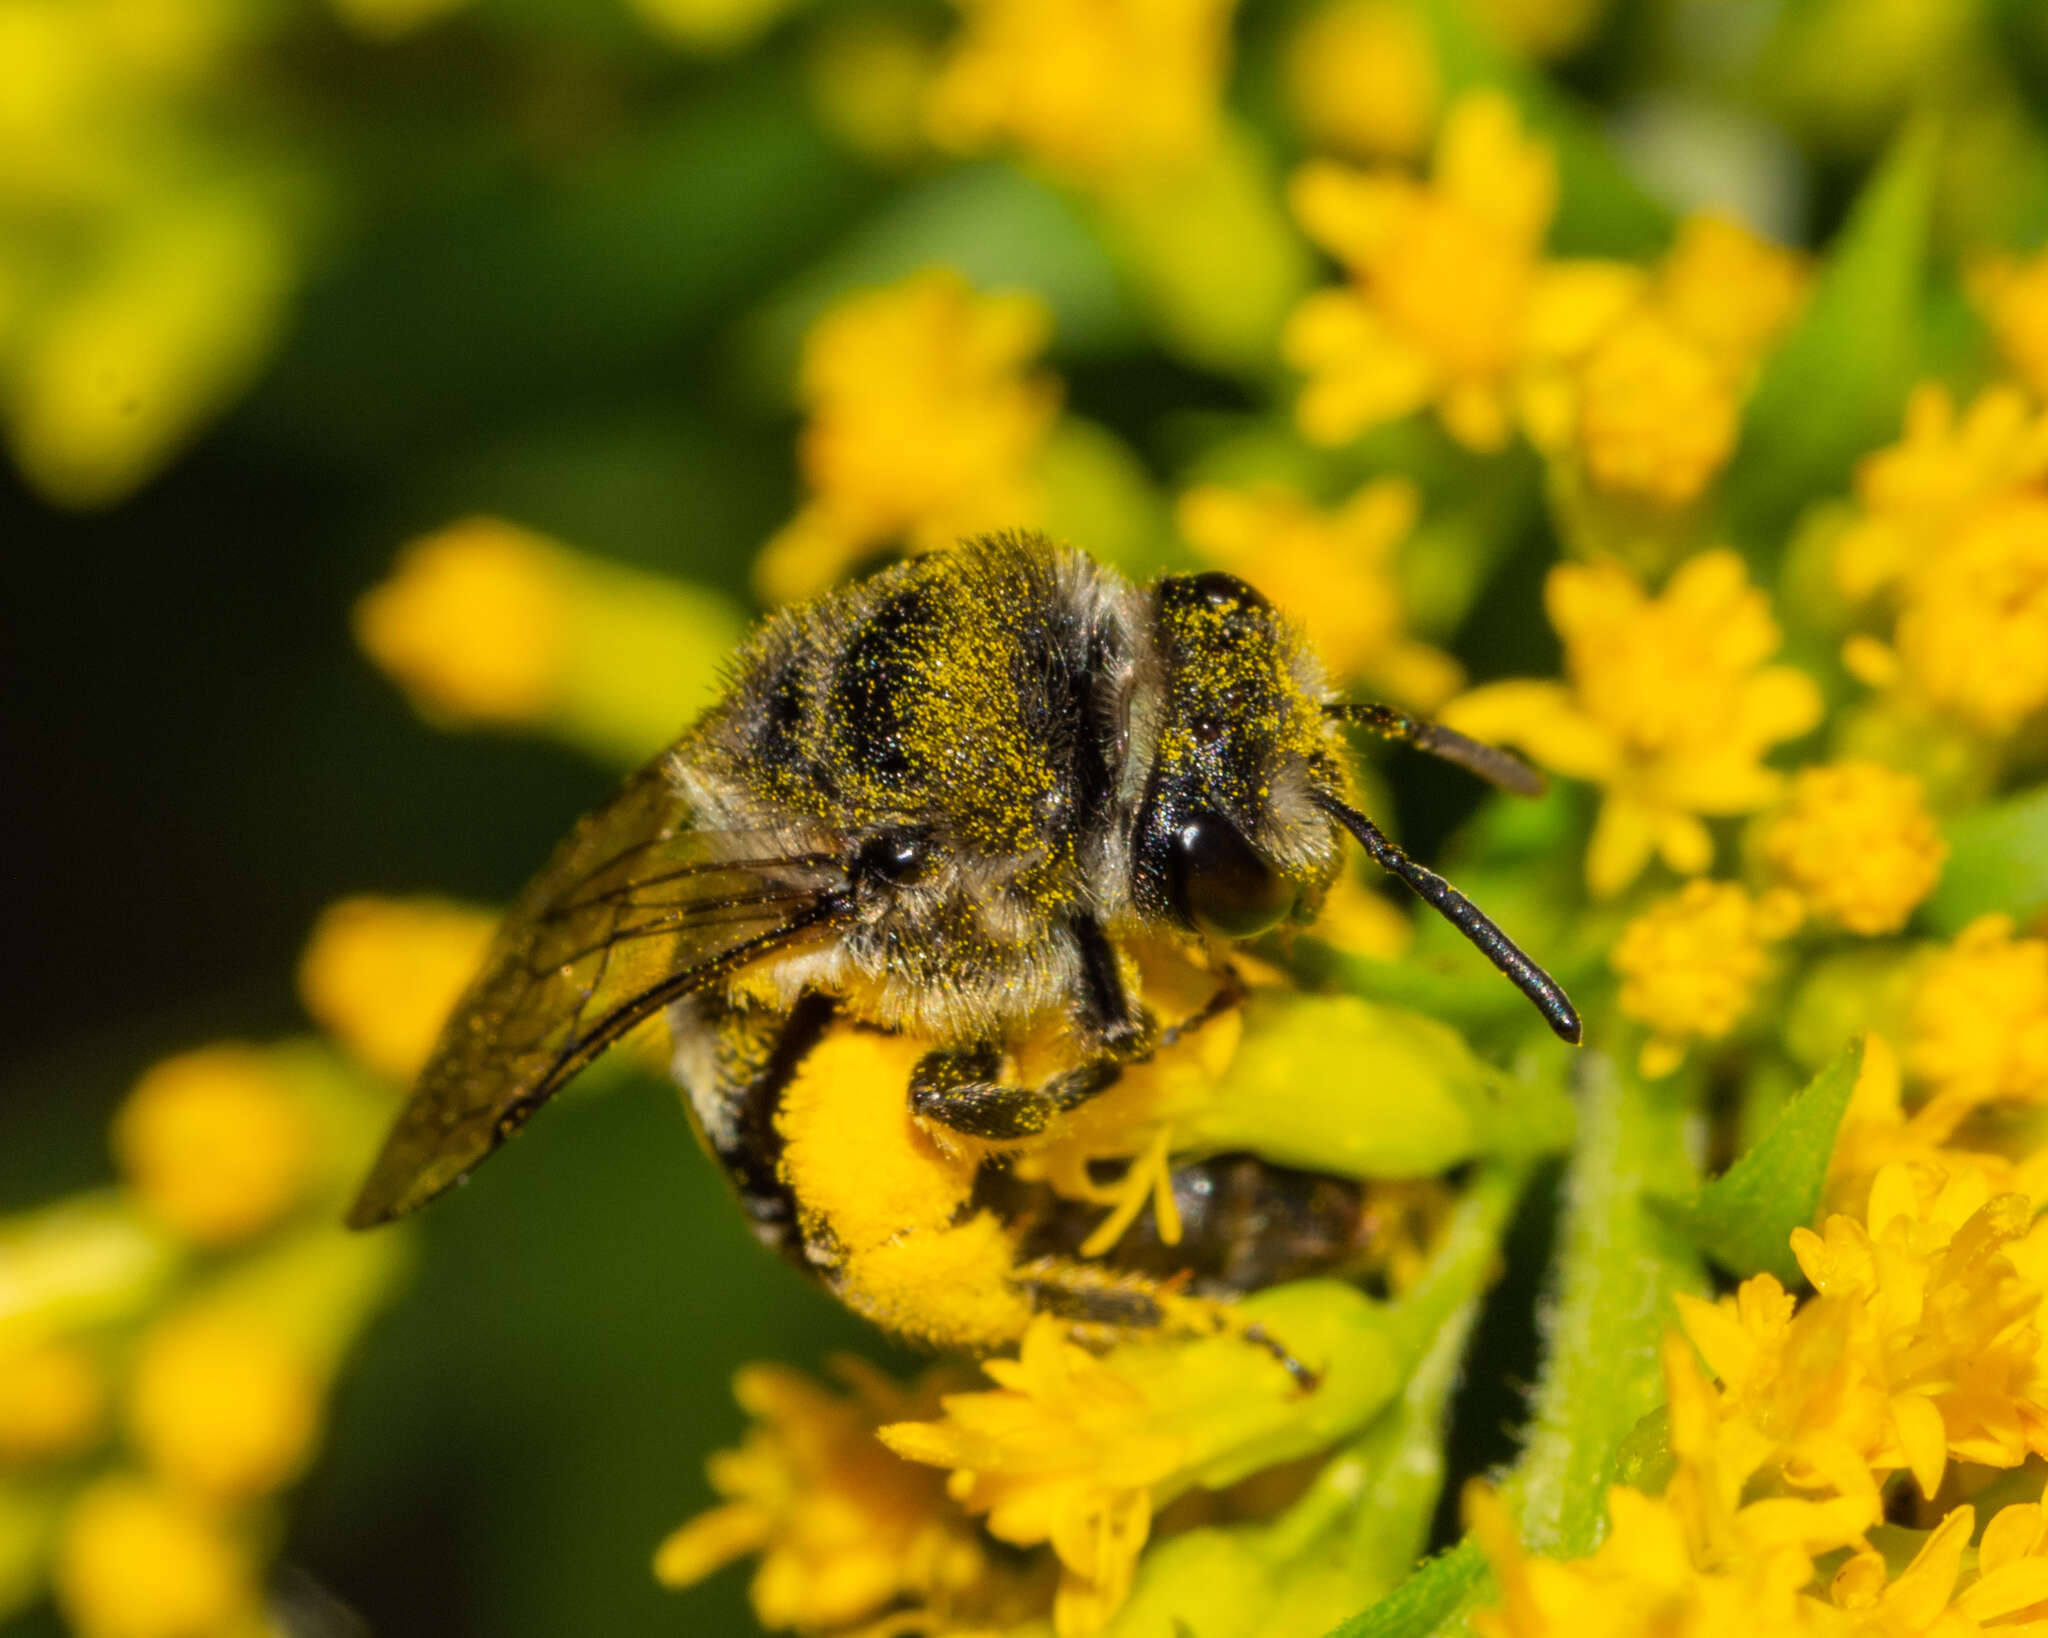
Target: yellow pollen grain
1856,842
215,1143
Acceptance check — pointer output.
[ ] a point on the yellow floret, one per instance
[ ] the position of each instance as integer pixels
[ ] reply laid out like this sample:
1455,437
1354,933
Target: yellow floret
1856,842
1658,415
52,1401
1690,964
2013,294
926,421
1055,78
1728,289
1362,78
1973,629
844,1527
222,1409
215,1143
471,622
381,975
1979,1019
136,1562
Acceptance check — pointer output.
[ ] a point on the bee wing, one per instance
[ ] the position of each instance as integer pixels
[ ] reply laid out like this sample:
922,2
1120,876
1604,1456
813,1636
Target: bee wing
635,908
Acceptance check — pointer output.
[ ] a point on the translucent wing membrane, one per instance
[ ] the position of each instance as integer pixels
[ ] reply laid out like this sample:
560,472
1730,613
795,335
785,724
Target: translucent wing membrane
635,909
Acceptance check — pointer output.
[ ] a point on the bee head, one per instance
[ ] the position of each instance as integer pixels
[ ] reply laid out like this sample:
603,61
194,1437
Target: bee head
1230,839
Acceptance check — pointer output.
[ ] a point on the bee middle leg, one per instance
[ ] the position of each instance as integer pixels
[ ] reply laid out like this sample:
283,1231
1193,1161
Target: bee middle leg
957,1087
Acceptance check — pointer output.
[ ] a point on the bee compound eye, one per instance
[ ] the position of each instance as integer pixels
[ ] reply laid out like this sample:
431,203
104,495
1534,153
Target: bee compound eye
1221,885
894,858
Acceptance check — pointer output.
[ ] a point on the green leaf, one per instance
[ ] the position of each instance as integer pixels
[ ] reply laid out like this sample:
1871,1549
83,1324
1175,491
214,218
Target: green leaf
1835,388
1744,1219
1998,860
1437,1591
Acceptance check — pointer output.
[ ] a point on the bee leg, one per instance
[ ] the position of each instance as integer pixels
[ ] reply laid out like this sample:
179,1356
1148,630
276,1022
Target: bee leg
958,1089
1103,1306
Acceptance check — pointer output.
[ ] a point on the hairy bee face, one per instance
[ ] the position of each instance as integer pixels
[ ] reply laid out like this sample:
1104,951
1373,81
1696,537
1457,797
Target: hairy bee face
1227,838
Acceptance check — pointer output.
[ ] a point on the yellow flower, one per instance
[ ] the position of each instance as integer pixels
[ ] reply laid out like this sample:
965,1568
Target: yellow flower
926,421
1978,1028
1640,1580
167,329
1729,289
1055,79
484,622
221,1408
1658,414
52,1401
1918,1346
1333,571
844,1528
2011,1586
380,975
1081,1451
1972,633
1648,405
215,1143
2012,292
1917,1601
1856,842
1877,1132
1449,293
1912,494
470,622
1690,964
1362,78
1670,706
136,1562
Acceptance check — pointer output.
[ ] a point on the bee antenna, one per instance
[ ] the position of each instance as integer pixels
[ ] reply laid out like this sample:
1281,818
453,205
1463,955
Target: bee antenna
1541,989
1489,762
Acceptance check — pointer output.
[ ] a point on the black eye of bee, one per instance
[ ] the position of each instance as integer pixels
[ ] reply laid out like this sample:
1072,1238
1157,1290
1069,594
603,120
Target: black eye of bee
1221,885
892,857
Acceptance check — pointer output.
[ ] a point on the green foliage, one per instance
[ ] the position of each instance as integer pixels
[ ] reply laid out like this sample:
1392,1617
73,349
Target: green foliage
1834,388
1742,1219
1997,861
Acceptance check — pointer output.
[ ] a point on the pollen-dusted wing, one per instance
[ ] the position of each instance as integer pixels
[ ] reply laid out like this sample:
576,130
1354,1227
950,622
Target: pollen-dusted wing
635,908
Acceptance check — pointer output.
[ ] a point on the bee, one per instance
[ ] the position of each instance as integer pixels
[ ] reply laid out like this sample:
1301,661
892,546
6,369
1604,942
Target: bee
933,814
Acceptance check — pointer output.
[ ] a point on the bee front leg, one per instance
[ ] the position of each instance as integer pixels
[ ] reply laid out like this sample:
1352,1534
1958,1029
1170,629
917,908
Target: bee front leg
958,1089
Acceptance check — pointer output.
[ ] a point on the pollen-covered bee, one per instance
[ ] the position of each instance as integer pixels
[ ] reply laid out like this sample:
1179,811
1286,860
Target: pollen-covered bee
937,814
